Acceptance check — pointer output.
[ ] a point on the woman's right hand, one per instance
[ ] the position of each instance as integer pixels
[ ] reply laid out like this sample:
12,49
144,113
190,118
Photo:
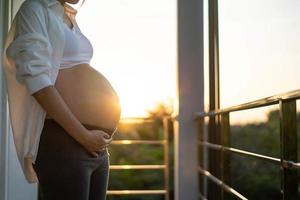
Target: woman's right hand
96,140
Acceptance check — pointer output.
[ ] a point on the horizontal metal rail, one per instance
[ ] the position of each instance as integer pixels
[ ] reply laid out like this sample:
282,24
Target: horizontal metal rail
122,142
271,100
221,184
123,192
285,163
288,138
137,166
165,166
242,152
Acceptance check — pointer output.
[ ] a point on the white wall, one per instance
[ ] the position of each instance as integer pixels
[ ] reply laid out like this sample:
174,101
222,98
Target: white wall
13,185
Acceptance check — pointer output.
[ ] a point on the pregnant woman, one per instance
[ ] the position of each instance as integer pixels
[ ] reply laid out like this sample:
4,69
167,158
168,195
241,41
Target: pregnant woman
63,112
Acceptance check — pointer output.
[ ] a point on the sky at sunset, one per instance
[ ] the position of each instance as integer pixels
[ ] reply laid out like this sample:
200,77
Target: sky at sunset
259,51
135,48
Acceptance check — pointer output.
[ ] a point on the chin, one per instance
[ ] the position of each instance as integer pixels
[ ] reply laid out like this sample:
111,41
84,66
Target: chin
72,1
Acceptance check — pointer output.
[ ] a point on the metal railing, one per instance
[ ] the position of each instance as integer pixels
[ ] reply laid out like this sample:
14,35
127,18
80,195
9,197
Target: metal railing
167,123
288,144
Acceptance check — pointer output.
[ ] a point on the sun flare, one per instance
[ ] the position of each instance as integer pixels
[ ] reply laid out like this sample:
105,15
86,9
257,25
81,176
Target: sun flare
126,52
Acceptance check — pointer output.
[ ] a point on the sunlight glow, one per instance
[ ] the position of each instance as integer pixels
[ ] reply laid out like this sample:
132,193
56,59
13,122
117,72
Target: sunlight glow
134,48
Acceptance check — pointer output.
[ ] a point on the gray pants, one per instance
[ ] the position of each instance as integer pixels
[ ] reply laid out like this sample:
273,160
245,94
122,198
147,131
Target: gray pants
66,171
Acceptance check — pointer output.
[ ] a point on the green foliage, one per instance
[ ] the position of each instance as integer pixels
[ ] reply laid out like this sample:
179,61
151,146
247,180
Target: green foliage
257,179
138,154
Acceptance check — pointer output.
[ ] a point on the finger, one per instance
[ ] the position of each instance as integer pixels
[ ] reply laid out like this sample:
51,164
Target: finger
101,149
112,134
106,135
108,141
115,130
98,151
95,154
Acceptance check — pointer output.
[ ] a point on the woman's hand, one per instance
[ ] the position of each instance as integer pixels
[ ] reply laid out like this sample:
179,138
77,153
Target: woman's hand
95,141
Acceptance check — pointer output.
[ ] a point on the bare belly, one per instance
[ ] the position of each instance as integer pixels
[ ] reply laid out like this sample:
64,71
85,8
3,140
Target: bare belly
89,95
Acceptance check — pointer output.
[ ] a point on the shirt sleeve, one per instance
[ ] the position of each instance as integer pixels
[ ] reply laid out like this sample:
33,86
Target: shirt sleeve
31,49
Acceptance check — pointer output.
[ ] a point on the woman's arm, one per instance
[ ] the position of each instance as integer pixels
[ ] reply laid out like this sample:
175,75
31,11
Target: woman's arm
54,105
32,52
52,102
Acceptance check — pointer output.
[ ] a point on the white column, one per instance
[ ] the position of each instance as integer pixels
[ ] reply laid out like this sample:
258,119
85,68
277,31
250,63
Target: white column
190,91
13,185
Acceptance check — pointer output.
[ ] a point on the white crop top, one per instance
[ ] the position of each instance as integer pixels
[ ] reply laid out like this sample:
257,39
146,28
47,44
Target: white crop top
78,49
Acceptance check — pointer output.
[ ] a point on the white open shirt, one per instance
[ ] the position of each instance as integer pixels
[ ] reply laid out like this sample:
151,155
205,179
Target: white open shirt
31,60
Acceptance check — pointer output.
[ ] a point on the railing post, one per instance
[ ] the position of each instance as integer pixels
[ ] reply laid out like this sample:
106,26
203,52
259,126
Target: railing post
168,172
214,192
225,156
288,147
200,127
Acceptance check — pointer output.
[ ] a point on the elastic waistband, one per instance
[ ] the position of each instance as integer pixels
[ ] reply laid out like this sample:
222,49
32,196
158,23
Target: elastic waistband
87,126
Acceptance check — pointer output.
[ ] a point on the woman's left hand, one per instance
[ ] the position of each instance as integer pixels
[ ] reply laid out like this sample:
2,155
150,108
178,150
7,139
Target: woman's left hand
111,135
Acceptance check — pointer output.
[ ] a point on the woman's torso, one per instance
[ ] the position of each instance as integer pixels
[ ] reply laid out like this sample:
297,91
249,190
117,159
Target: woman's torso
89,96
86,91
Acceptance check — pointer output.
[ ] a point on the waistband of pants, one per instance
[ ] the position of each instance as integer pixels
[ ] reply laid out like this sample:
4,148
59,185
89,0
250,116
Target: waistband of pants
88,126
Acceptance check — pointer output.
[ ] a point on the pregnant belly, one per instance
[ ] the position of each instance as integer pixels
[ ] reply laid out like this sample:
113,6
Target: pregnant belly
89,95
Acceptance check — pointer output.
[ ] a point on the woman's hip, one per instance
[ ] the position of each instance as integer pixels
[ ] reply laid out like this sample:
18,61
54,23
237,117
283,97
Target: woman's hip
56,143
